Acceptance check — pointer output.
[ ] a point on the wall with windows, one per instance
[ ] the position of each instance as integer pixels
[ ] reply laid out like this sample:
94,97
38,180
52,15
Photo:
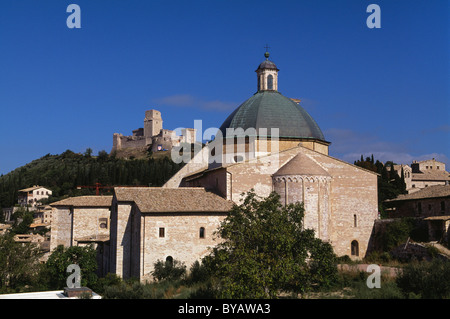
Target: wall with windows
184,237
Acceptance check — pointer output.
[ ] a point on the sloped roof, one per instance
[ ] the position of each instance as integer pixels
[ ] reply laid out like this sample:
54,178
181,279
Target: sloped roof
164,200
431,176
85,201
29,189
427,192
301,165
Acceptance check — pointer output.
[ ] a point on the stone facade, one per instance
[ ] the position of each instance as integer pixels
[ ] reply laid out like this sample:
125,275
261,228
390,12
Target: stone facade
423,174
152,136
340,199
427,202
80,217
80,221
151,224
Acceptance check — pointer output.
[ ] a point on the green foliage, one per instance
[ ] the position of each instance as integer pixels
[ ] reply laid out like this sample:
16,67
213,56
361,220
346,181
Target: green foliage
265,250
427,280
62,257
19,264
169,270
398,232
63,173
22,219
390,184
198,273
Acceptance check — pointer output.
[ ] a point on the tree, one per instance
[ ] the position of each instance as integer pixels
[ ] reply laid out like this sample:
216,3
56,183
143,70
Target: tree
19,264
169,270
88,152
62,257
265,250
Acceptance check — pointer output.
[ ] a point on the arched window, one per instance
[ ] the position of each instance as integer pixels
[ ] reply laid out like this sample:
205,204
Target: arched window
169,260
202,232
270,82
355,248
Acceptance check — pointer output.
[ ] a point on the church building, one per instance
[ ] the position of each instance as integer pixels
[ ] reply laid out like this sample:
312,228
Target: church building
269,143
340,199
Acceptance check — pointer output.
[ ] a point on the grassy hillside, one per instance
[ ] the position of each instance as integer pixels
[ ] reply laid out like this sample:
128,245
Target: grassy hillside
63,173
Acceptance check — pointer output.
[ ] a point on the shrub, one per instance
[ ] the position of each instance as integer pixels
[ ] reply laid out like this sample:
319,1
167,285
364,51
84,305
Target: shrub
198,273
429,280
169,270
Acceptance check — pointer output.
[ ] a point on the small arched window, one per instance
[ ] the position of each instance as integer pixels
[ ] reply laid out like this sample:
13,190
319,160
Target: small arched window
270,82
169,261
202,232
355,248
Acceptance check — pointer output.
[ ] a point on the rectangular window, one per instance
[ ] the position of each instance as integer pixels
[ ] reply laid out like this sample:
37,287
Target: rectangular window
162,233
355,221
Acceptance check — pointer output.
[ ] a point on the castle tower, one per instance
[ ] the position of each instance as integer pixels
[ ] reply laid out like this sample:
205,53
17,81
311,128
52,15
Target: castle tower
152,123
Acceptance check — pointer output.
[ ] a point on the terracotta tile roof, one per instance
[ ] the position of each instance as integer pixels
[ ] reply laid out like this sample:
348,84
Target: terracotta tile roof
85,201
431,176
165,200
427,192
301,165
29,189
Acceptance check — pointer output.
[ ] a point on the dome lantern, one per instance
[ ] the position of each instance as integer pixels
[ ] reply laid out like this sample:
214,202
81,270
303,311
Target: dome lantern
267,74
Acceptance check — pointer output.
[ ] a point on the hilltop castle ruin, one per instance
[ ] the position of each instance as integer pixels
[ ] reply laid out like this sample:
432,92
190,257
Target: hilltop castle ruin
152,136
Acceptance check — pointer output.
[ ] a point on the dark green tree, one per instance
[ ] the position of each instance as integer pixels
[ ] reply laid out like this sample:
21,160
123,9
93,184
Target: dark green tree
62,257
19,264
427,280
266,250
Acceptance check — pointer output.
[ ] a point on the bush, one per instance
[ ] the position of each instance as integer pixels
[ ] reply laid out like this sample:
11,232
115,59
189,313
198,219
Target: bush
429,280
169,270
198,273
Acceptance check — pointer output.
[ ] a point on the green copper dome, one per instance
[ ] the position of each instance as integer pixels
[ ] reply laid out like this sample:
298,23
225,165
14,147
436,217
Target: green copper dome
270,109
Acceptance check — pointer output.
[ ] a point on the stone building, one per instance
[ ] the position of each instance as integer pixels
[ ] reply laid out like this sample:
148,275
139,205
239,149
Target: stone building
83,220
423,174
269,143
152,136
281,148
432,204
427,202
150,224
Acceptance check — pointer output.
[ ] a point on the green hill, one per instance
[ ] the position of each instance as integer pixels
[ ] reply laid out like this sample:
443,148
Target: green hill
65,172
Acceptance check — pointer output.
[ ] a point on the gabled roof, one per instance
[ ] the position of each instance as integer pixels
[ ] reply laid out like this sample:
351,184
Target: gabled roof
85,201
301,164
431,176
427,192
29,189
173,200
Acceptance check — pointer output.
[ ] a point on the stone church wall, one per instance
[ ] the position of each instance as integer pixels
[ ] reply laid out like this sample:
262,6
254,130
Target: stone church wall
181,239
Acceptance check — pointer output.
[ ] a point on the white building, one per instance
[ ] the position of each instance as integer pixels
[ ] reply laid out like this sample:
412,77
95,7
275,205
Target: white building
32,195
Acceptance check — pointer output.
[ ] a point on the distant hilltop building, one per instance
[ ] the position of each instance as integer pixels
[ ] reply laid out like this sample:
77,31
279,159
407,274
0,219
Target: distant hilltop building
152,136
423,174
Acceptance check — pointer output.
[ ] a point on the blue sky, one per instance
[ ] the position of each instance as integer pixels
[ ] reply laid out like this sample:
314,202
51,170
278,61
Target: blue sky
372,91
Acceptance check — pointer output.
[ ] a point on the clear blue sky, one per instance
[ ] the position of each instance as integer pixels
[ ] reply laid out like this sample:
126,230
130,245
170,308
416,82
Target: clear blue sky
382,91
